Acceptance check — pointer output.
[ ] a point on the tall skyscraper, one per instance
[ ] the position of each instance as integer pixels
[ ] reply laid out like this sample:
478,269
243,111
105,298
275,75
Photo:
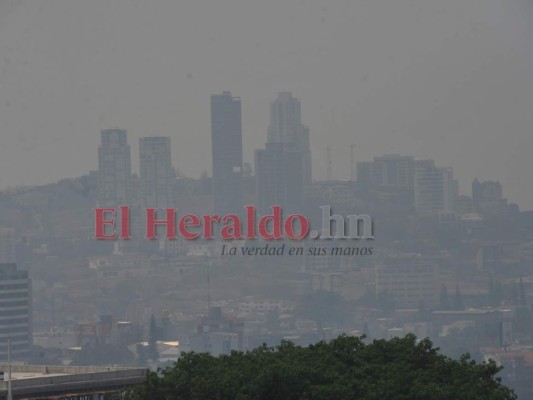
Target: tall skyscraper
15,312
226,136
114,169
286,127
157,175
279,178
283,168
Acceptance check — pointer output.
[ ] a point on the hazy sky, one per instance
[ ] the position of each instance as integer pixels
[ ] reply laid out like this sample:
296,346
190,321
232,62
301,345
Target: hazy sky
445,79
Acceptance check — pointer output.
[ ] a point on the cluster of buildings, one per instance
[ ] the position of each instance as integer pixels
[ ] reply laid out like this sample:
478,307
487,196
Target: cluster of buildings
282,168
282,173
447,265
429,188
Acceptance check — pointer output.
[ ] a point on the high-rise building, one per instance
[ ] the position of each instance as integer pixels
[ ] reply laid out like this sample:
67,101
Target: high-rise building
156,172
488,198
286,127
283,168
434,188
279,178
7,245
15,312
429,188
390,170
226,136
114,169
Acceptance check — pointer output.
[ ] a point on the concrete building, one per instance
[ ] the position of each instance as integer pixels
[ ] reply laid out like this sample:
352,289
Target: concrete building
410,280
114,169
15,312
390,178
488,198
279,178
226,137
332,192
388,170
286,127
283,168
7,245
156,172
429,188
434,188
217,333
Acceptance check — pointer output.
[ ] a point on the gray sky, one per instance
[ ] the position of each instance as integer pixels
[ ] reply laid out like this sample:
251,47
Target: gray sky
450,80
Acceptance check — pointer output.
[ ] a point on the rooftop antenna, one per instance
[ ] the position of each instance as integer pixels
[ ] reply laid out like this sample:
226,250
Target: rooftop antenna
329,173
352,162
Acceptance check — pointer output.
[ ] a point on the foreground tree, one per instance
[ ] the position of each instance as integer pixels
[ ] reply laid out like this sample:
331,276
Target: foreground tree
345,368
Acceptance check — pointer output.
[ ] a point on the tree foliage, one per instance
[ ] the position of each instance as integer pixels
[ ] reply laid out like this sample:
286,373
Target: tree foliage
345,368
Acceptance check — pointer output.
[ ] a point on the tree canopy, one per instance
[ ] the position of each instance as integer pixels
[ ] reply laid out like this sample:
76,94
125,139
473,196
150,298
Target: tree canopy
344,368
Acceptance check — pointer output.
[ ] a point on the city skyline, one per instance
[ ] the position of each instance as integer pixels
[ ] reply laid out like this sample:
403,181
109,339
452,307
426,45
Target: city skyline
281,178
280,171
281,168
266,181
409,82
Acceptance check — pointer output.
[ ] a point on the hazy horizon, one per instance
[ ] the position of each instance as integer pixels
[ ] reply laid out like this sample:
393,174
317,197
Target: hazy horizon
449,80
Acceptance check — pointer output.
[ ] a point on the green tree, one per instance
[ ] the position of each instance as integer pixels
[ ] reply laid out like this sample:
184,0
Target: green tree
343,369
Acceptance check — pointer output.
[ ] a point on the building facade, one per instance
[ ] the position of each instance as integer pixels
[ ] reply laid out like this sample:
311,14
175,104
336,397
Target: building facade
434,188
156,172
7,245
114,169
411,281
388,170
279,178
286,127
226,137
15,312
283,167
